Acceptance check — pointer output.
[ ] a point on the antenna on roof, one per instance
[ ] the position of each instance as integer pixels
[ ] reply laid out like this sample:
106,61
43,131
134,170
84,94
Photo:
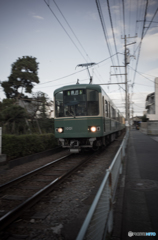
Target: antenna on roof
87,65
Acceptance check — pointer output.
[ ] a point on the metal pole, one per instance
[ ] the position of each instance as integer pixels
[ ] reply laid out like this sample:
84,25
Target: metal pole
128,108
126,90
0,140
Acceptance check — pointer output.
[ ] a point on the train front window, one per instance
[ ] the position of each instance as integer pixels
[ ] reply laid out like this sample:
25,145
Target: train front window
77,102
92,102
59,110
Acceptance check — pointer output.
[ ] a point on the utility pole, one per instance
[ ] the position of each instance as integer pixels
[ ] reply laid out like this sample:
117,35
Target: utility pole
126,88
132,113
127,61
129,108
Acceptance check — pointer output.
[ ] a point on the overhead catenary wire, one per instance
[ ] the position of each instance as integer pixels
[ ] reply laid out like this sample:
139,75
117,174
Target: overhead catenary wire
57,79
113,34
74,35
70,28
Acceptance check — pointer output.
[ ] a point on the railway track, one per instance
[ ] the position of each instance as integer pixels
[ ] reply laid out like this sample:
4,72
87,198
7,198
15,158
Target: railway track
33,186
65,206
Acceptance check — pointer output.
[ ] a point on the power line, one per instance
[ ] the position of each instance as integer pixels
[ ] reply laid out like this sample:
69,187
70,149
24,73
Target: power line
141,74
103,26
104,30
129,16
64,29
141,39
123,7
139,106
151,22
62,83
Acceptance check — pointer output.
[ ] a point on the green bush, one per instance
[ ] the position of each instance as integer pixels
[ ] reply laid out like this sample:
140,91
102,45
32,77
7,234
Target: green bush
15,146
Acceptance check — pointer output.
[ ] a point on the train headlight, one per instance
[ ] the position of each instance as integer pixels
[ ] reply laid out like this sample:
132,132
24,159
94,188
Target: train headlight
60,130
93,129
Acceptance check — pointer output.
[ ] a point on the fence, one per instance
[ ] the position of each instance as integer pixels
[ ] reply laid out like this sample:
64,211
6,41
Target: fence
99,219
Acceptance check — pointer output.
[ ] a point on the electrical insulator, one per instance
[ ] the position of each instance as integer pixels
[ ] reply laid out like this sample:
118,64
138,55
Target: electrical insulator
128,59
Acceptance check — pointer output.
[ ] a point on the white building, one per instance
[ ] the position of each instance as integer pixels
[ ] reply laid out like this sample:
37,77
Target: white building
152,104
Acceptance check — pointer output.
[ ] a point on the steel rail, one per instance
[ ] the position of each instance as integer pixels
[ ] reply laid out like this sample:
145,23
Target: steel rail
12,215
31,173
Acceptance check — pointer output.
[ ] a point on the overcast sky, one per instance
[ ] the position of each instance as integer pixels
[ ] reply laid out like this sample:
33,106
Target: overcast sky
37,28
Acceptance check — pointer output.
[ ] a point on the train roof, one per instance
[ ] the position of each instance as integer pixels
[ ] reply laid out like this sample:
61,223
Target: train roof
79,86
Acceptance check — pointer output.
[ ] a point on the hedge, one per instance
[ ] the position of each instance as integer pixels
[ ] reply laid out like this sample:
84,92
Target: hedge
15,146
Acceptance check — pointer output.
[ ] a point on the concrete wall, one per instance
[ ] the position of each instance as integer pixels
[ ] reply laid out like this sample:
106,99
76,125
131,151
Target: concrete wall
152,117
156,98
143,127
152,128
149,128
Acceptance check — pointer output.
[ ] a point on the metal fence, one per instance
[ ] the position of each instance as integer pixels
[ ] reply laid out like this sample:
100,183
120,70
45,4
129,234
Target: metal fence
99,219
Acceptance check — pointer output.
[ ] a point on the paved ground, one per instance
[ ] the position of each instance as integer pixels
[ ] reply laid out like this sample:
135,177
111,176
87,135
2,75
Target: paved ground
140,210
155,138
137,203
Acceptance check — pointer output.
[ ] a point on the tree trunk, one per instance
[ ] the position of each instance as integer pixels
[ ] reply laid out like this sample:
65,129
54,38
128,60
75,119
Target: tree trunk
39,129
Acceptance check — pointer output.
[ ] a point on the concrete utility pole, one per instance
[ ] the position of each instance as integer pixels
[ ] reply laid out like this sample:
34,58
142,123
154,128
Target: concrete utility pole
127,61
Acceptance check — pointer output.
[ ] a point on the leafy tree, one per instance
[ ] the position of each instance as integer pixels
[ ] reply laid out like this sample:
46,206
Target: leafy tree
6,103
144,118
40,105
23,76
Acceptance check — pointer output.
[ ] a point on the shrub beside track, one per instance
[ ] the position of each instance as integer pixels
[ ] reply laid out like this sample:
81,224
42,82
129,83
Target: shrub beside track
15,146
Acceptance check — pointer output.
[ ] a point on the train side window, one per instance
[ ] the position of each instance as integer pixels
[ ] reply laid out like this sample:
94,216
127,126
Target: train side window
103,107
109,110
106,109
113,113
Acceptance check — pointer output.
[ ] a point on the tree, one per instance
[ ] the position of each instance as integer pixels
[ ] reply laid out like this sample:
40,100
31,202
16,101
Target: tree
12,117
43,110
23,76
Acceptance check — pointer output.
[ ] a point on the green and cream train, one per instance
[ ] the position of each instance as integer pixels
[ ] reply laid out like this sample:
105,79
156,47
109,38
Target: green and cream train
85,117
